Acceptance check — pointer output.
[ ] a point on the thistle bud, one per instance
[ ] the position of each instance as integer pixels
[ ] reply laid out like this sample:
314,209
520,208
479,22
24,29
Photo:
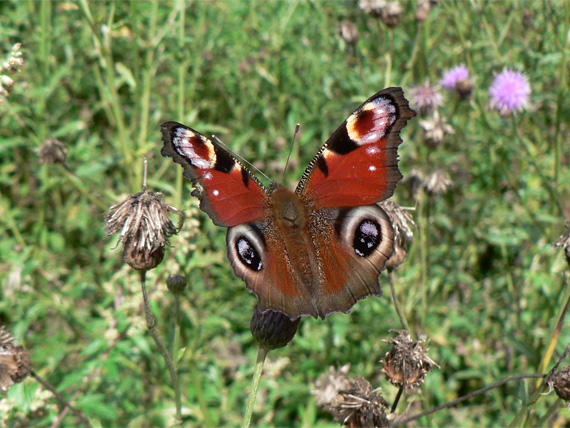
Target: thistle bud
176,283
273,329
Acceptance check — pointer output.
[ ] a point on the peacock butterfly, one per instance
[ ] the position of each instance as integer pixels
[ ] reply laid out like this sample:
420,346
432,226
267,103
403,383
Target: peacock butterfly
321,248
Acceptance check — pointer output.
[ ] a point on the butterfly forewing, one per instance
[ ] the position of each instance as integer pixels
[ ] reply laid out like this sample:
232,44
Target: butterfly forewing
228,192
358,165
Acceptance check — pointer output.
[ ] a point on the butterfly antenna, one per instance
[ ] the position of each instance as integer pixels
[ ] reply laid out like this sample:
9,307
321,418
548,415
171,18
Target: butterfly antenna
245,161
297,127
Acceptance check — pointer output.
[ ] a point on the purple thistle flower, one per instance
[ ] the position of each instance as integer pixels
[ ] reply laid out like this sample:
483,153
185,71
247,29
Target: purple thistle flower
510,92
453,76
425,98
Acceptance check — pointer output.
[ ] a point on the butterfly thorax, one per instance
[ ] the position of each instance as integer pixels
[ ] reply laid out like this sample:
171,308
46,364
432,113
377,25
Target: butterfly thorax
288,208
291,217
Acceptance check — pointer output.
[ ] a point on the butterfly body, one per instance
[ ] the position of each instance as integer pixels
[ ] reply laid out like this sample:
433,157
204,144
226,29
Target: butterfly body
319,249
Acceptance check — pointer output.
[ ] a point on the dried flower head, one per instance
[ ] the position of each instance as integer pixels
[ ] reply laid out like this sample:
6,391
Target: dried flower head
330,384
560,381
273,329
144,224
564,242
15,362
15,59
423,9
402,223
510,92
52,151
11,64
407,363
392,13
437,182
349,32
425,98
360,405
372,7
436,128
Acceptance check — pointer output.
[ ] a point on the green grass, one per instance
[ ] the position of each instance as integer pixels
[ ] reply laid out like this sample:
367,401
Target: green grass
482,279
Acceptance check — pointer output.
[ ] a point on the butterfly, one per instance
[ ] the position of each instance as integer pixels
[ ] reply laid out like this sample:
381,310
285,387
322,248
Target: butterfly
319,249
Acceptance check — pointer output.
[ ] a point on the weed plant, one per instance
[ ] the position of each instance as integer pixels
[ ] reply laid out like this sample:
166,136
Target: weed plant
482,280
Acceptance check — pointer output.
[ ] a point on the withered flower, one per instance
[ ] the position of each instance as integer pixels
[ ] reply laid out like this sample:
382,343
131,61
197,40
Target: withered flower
564,242
143,222
372,7
273,329
407,363
349,32
392,14
437,182
360,405
15,59
560,381
331,383
436,128
423,9
52,151
402,223
425,98
15,362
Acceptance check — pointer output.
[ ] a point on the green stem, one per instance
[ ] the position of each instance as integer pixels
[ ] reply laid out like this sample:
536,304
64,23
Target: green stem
182,67
399,310
107,64
89,194
552,191
176,328
261,354
151,325
423,230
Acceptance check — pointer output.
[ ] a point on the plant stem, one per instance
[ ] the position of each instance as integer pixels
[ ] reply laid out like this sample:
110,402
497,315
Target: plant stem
261,354
151,325
61,398
399,310
465,397
397,399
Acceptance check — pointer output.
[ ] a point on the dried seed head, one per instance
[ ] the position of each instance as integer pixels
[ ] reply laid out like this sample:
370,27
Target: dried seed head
392,14
437,182
52,151
360,405
330,384
564,242
372,7
15,59
425,98
176,283
15,362
436,128
402,223
349,32
423,9
560,381
273,329
407,363
144,224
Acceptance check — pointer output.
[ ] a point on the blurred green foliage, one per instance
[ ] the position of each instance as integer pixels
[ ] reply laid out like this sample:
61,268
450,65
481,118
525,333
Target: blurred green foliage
482,280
